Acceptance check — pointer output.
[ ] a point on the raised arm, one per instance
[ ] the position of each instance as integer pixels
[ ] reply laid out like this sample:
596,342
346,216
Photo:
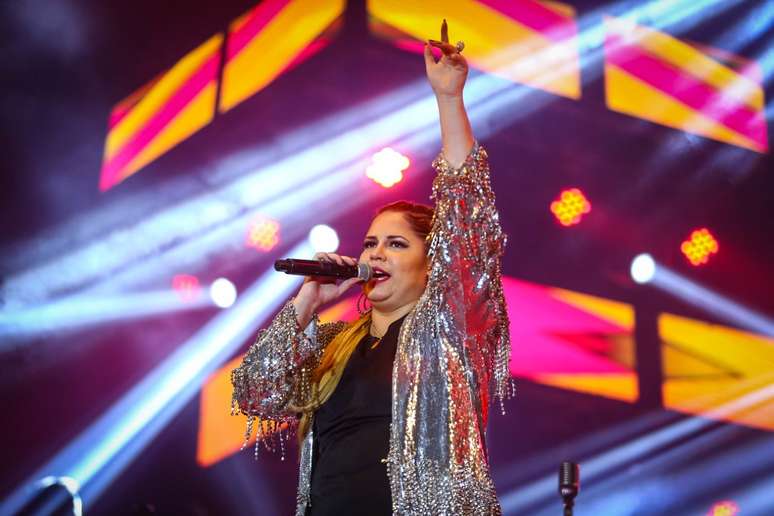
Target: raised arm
467,241
447,78
454,348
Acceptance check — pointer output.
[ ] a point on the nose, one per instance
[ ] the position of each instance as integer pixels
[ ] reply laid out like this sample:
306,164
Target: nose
377,253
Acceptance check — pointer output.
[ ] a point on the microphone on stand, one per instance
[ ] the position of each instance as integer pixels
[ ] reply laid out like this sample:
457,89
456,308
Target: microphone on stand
569,485
328,269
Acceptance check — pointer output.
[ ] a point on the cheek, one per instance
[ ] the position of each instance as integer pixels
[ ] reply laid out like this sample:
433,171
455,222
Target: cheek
415,270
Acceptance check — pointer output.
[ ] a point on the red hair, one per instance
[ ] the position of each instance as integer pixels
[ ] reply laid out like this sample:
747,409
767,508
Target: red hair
419,216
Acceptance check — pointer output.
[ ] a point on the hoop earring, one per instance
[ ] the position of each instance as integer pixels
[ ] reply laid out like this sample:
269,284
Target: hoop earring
363,300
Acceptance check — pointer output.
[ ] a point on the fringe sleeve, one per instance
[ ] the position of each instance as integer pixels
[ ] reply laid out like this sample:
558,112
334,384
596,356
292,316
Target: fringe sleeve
466,245
276,371
452,352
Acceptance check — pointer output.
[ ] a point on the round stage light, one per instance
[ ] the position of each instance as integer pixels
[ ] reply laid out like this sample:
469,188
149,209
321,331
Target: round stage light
262,234
387,167
699,247
223,293
323,239
570,207
643,268
186,286
724,508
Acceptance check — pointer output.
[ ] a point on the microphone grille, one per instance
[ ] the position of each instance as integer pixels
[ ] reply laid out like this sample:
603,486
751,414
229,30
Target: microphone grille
364,271
568,474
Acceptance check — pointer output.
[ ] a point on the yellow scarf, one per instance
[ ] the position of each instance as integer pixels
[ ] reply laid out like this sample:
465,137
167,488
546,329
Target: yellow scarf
327,375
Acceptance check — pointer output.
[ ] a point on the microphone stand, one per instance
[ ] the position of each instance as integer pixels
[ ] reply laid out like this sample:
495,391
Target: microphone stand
569,485
568,505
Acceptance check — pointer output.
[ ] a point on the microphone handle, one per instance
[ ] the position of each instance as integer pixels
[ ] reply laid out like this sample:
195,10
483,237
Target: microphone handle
316,268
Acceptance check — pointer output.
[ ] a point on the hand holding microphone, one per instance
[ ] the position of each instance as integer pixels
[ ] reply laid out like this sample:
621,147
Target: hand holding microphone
325,269
320,285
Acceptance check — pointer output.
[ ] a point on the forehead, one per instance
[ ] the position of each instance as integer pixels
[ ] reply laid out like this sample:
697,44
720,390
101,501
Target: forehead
390,223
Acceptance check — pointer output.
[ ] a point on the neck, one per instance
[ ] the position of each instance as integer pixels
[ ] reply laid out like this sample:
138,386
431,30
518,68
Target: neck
382,319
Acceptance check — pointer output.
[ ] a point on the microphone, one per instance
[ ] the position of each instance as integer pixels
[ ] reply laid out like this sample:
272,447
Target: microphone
318,268
569,485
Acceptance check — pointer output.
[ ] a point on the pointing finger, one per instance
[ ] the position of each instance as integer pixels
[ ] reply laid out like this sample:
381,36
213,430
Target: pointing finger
444,32
446,48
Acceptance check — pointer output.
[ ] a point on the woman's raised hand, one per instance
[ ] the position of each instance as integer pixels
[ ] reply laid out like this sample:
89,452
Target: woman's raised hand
447,75
318,290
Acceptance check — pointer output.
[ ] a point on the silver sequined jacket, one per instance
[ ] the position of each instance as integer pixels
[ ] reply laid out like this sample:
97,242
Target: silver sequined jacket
452,357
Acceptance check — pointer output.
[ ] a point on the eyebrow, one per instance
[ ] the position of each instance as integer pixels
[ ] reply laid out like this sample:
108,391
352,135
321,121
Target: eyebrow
389,237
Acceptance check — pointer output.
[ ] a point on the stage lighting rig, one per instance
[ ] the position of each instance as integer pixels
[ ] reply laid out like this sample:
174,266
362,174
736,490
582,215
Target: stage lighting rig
263,234
186,286
223,293
387,167
699,247
323,239
570,207
643,268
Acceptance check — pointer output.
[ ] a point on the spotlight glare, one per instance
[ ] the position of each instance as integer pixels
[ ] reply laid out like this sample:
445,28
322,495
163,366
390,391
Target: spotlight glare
387,167
643,268
223,293
323,239
570,207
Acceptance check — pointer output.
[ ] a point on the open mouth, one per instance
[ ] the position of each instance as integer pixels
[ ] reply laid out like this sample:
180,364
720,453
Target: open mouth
380,276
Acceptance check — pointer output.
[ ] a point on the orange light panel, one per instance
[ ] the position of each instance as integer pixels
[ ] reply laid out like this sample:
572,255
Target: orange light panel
387,167
654,76
717,372
570,207
263,234
699,247
270,39
526,41
161,114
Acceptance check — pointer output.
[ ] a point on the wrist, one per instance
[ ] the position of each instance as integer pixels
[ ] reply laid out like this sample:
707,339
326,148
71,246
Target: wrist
449,98
305,308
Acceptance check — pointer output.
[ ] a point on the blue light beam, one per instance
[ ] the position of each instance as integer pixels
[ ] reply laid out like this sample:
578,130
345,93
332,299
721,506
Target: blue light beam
107,446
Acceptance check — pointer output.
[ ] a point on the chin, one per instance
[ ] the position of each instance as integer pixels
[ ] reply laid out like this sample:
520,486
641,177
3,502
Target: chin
377,299
375,294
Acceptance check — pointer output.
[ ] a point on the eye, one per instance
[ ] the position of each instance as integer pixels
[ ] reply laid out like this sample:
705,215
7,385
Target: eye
397,243
368,243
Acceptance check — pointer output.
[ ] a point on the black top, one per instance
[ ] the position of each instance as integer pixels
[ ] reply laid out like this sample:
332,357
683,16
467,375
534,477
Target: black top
352,432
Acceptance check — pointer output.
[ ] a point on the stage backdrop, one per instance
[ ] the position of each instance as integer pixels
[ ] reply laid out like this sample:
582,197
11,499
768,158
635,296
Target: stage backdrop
160,158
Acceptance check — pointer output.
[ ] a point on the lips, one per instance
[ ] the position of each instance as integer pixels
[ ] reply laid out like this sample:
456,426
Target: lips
379,275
